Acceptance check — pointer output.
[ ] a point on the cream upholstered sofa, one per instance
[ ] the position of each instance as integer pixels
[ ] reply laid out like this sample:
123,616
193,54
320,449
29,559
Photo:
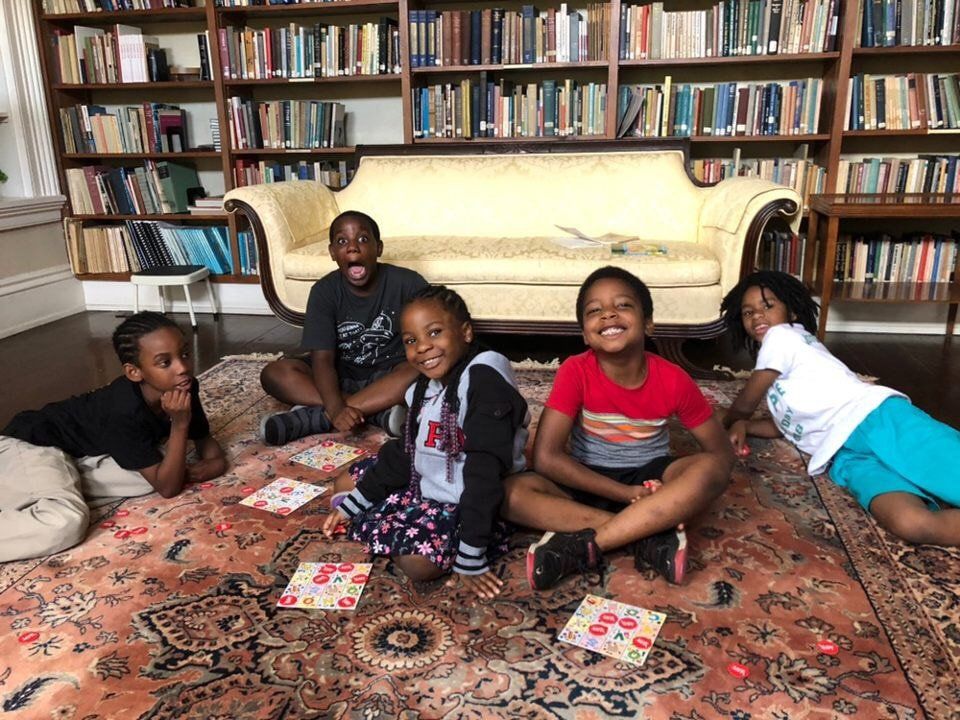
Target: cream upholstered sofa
481,220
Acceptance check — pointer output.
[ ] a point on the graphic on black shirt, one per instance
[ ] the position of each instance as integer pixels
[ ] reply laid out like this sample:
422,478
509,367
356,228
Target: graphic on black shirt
365,345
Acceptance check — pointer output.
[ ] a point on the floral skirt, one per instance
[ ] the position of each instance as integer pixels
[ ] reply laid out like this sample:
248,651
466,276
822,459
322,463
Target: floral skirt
407,524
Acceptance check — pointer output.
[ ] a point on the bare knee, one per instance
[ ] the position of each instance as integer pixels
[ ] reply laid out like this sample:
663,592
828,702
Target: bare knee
417,568
270,376
915,525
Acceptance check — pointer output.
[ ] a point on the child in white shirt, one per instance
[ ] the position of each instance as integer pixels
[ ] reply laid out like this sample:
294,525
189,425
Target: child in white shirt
900,464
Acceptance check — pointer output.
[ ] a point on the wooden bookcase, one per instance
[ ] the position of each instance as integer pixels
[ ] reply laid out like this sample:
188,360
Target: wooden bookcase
827,144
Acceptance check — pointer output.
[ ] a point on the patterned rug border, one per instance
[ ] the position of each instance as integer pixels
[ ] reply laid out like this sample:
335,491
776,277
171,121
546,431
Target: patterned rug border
892,602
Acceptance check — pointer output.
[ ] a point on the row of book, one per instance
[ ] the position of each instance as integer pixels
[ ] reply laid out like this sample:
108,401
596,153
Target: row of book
122,54
287,124
782,250
149,127
915,258
777,108
923,174
333,174
803,175
306,51
143,244
729,28
509,37
155,188
889,23
59,7
469,109
903,102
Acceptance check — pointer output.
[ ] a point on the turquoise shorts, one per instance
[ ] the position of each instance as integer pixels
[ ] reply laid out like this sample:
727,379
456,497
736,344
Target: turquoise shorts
899,448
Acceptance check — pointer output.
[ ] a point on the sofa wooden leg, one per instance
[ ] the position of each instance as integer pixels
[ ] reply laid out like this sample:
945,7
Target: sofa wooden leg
671,348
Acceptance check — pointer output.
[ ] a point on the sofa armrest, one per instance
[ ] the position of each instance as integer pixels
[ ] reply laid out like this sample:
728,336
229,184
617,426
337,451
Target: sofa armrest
283,216
733,216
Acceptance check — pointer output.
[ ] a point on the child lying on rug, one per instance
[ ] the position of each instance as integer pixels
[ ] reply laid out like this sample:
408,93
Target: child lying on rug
899,463
432,500
610,406
353,368
104,444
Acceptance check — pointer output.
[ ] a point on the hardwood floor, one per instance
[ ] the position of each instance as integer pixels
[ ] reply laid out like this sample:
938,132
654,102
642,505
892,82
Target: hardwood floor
75,354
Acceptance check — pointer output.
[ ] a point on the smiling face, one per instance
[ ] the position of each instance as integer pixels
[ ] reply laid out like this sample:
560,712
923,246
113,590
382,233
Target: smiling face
354,248
164,363
613,318
761,310
433,339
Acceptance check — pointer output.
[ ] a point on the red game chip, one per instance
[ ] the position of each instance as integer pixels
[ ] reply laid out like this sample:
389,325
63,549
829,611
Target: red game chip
345,567
641,642
284,511
28,637
598,630
222,527
206,485
347,602
628,623
286,490
738,670
138,531
328,467
122,534
248,490
608,617
359,579
107,524
121,513
288,600
260,503
327,443
321,579
828,647
328,569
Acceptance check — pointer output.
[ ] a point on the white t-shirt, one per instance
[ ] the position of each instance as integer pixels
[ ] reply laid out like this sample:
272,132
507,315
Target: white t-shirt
817,402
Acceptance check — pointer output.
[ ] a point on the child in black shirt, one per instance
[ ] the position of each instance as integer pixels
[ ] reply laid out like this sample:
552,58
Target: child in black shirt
354,369
91,448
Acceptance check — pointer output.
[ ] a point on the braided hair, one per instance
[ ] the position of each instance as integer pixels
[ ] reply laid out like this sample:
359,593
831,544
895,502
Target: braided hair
791,292
450,301
126,338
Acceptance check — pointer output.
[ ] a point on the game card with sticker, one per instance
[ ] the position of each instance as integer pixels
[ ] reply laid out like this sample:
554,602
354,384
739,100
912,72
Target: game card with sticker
283,496
329,455
326,586
621,631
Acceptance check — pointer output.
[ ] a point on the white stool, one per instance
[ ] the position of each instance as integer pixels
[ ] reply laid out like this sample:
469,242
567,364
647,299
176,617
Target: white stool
183,275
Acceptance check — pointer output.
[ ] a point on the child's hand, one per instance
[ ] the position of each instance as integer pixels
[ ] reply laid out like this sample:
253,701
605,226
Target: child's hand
738,438
205,469
176,404
347,419
649,487
487,586
334,519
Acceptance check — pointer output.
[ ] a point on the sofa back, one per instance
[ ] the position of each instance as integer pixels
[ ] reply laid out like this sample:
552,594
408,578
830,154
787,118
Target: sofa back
637,193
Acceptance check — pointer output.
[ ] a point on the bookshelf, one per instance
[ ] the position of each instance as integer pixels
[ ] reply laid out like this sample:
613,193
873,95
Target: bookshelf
809,53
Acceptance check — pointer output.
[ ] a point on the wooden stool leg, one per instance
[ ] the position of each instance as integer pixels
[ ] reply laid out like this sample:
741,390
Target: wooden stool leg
186,294
213,298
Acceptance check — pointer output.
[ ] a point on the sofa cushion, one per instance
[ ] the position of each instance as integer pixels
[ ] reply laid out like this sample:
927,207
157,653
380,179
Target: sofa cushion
524,261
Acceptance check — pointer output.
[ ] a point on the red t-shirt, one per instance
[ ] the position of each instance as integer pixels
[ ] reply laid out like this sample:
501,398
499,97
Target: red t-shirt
624,427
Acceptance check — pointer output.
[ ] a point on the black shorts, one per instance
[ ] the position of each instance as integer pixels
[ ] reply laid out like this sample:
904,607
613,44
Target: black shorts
653,470
348,386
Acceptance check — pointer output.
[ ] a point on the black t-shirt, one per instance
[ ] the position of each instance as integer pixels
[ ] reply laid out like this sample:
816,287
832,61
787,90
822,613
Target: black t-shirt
363,331
113,420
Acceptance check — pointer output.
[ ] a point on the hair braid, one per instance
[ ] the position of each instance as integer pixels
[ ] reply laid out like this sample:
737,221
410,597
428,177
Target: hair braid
791,292
450,301
126,338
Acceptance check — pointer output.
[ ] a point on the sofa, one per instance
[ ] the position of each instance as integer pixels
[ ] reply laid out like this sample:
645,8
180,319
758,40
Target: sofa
484,219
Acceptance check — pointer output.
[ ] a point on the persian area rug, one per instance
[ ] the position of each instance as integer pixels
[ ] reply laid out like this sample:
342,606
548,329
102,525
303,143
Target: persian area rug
169,610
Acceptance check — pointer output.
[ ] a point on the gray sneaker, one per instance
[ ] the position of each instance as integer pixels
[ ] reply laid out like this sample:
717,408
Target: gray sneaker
281,428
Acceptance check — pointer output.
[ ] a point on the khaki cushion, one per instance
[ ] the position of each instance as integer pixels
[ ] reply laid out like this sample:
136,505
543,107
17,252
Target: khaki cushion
523,261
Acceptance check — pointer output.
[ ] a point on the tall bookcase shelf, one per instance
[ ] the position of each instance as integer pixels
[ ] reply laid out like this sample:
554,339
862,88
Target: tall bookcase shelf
377,96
